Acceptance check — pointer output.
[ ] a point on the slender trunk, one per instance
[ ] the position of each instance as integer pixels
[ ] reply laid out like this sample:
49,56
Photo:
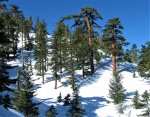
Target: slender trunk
60,57
45,63
31,65
72,72
83,72
17,79
42,63
22,49
90,46
56,80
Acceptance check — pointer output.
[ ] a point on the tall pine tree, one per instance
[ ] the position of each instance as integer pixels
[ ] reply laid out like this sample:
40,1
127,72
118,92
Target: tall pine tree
113,40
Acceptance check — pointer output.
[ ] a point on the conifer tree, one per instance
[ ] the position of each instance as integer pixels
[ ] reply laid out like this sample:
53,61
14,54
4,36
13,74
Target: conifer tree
136,101
28,64
144,63
70,62
23,97
113,40
117,91
127,56
41,48
81,50
51,112
134,53
75,109
57,49
145,100
88,16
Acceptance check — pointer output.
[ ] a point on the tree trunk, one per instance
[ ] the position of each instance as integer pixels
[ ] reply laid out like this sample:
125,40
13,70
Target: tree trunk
17,79
90,46
114,60
114,64
56,80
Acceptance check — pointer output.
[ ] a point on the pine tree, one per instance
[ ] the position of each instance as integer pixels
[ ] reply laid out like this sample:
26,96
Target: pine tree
88,16
81,50
27,29
75,109
28,64
113,40
144,63
4,84
117,91
41,48
70,62
23,97
67,100
59,98
136,101
57,48
51,112
127,56
134,53
145,100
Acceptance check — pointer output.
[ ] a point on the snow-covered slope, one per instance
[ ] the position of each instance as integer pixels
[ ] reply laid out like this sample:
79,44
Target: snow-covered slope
93,91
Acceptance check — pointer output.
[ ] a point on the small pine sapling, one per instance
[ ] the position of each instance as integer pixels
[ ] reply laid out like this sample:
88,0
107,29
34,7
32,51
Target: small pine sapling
51,112
136,101
59,98
145,100
67,100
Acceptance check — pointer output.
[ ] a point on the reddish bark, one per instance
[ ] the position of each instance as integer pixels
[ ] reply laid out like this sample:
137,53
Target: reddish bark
90,45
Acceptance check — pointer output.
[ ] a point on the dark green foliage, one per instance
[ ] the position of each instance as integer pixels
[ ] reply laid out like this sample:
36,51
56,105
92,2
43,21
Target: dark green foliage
23,97
4,84
117,91
113,41
145,100
86,22
57,50
67,100
75,109
7,101
28,41
41,48
136,101
144,61
59,98
127,56
51,112
28,64
134,53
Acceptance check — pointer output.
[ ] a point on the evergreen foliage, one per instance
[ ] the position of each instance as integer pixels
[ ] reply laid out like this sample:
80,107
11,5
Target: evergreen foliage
86,19
136,101
144,63
75,109
59,98
127,56
145,100
23,97
51,112
41,48
113,40
67,100
117,91
57,50
134,53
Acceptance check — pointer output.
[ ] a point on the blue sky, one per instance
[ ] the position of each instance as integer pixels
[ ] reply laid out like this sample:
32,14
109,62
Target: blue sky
134,14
